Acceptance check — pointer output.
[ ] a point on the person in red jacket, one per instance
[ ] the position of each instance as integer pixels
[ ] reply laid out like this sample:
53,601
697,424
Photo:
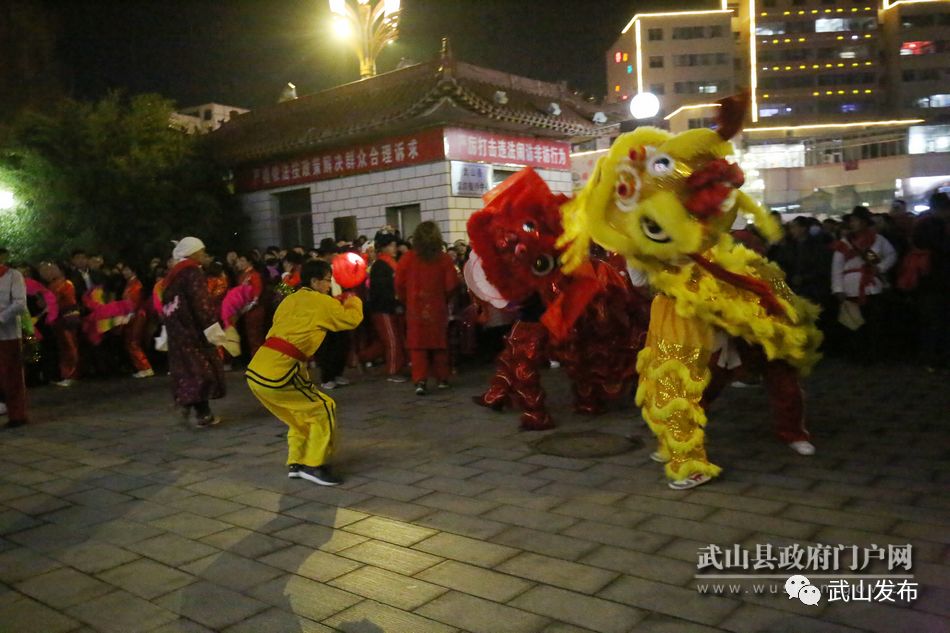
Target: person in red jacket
66,327
134,331
425,279
254,319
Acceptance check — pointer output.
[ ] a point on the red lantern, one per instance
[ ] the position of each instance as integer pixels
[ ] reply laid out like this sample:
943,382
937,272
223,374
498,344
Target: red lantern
349,270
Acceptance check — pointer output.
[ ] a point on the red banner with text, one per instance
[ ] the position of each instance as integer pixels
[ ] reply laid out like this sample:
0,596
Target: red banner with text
471,146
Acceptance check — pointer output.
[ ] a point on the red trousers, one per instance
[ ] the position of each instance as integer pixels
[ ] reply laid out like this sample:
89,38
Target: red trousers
420,364
68,347
254,328
133,334
12,381
389,330
786,398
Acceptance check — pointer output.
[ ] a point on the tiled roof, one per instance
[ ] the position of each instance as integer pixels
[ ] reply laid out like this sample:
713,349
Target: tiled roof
440,92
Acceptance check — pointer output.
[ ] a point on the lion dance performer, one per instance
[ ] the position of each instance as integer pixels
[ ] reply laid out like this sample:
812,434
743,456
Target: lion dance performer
593,321
667,202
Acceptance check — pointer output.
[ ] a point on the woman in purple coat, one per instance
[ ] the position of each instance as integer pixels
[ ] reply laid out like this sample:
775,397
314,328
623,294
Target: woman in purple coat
195,367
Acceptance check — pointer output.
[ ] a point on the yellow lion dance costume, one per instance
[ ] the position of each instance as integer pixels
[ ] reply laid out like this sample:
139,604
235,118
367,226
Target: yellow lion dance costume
666,202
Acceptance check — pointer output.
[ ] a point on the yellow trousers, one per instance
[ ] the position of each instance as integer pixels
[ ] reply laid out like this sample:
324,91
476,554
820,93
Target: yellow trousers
674,371
309,415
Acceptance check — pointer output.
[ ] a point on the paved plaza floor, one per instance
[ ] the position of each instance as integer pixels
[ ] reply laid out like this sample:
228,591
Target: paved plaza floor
114,517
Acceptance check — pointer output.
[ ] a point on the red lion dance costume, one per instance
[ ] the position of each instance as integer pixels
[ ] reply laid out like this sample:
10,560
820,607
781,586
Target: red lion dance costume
594,322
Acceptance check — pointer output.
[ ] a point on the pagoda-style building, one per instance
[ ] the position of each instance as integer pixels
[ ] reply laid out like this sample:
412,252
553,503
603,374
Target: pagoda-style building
422,142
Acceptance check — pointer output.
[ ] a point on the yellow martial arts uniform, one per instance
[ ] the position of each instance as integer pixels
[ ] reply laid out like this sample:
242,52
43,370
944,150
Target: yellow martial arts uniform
282,383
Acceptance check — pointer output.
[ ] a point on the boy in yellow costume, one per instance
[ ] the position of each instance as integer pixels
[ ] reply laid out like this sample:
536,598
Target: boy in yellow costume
666,203
278,375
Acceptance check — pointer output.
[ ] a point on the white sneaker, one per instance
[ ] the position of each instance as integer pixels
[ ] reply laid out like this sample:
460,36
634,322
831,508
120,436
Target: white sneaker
68,382
803,447
659,459
554,364
3,408
341,381
145,373
328,386
396,378
696,479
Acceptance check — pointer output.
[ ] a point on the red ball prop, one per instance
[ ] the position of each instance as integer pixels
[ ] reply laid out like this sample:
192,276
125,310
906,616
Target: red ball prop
349,270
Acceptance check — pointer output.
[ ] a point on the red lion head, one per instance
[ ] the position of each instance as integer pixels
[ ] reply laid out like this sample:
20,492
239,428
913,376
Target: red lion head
514,236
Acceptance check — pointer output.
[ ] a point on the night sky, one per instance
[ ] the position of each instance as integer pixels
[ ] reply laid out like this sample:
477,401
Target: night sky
242,52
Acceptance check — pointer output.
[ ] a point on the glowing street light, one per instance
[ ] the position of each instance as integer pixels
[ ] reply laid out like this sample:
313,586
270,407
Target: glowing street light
7,200
369,25
644,105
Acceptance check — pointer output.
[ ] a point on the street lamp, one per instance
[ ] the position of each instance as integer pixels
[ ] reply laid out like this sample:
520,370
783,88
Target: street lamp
644,105
7,200
369,26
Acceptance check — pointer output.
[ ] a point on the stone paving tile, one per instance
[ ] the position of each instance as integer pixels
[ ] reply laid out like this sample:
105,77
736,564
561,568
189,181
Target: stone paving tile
475,581
310,563
599,512
480,616
28,616
838,518
631,538
407,512
189,525
507,480
402,592
750,618
38,503
121,532
554,461
267,500
810,497
561,627
21,563
245,543
466,549
395,475
259,520
687,550
667,508
669,600
278,620
13,491
320,537
581,494
98,498
172,549
769,525
444,468
882,618
310,599
695,530
401,560
659,623
503,466
372,617
463,487
49,537
575,608
534,519
456,503
553,545
390,531
221,488
121,612
232,571
146,578
210,605
521,498
648,566
560,573
583,478
391,490
322,514
92,557
63,588
12,521
205,505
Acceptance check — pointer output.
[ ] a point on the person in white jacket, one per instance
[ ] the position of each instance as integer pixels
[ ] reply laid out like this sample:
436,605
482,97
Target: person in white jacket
858,267
12,305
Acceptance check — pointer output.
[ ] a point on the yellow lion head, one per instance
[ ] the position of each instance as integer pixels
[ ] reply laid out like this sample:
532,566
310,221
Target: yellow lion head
656,198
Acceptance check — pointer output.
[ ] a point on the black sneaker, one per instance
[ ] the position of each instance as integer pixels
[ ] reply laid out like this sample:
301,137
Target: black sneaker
420,389
320,475
293,471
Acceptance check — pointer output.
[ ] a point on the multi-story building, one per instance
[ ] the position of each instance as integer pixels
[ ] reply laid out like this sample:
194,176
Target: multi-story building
205,117
680,56
917,53
851,98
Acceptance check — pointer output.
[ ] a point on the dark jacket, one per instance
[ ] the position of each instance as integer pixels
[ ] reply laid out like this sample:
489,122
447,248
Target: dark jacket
382,287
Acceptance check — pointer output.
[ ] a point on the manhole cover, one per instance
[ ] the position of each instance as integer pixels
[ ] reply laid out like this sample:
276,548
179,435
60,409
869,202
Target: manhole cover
586,444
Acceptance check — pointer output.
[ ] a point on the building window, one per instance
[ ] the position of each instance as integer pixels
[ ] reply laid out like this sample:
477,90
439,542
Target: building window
923,47
933,101
405,218
656,61
770,28
768,4
799,3
701,87
836,25
921,74
295,218
827,1
344,229
658,89
688,32
206,115
655,35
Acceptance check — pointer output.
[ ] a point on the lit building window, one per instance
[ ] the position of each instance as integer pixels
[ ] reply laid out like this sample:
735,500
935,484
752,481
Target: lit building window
617,88
618,57
629,69
918,48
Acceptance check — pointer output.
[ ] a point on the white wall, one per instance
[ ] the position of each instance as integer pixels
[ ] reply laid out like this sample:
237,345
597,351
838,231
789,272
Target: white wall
366,196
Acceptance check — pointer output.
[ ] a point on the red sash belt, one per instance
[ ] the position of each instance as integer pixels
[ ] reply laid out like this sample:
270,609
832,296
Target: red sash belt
286,348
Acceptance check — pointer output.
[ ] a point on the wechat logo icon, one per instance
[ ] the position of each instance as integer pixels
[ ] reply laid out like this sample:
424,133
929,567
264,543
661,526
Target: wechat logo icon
801,588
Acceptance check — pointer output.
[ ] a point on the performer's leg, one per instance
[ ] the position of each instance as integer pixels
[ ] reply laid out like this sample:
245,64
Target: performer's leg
67,345
787,401
420,364
12,380
133,336
440,365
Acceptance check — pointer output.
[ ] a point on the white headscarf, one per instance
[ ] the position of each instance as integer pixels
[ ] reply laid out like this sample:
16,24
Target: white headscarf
185,247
